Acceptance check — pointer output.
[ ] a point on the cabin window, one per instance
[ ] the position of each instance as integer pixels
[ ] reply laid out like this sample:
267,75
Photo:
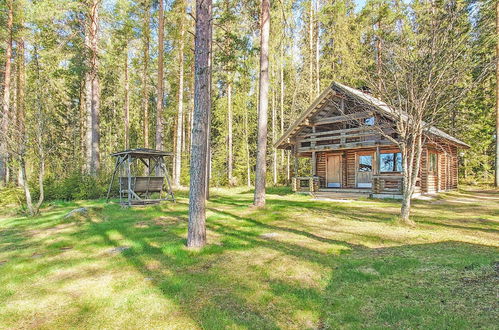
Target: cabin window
365,163
369,121
432,164
390,162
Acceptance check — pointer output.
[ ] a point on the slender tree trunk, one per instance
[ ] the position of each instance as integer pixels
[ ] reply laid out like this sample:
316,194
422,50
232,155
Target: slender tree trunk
145,72
379,60
4,124
208,131
180,112
229,133
246,145
20,101
497,96
159,87
282,100
263,103
311,50
411,158
196,236
127,103
191,108
274,135
317,49
93,90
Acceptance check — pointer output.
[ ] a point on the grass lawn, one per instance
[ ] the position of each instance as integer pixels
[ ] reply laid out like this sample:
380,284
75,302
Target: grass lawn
298,263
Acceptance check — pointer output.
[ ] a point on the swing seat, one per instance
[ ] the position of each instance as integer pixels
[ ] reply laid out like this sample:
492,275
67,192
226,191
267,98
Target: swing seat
143,184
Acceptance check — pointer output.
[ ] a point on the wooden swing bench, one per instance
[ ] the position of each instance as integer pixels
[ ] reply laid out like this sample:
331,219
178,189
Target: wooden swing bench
143,186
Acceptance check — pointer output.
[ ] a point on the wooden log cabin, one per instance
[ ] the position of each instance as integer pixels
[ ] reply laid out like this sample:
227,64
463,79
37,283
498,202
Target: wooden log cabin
341,134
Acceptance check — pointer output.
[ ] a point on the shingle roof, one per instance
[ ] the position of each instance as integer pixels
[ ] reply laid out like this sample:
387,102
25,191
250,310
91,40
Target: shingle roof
379,105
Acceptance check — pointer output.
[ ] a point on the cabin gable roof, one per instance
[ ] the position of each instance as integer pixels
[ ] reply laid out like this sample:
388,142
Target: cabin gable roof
338,90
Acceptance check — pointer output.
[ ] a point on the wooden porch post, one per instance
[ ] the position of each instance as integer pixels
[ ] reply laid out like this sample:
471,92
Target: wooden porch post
378,162
295,159
314,156
314,164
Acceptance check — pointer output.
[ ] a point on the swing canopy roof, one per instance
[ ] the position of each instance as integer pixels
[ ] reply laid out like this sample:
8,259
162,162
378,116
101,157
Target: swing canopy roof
142,153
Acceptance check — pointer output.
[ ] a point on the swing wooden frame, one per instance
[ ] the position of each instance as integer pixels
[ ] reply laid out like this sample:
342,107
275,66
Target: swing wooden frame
136,190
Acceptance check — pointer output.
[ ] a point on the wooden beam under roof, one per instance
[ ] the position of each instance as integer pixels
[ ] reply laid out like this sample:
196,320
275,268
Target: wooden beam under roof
338,119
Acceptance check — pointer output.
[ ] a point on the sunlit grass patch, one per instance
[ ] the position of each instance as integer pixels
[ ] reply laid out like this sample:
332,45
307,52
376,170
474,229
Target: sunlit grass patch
297,263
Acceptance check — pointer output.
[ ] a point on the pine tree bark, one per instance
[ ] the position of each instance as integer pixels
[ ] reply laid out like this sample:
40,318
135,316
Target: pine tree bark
145,70
263,103
180,109
127,102
4,124
208,131
497,96
229,135
159,87
196,236
93,89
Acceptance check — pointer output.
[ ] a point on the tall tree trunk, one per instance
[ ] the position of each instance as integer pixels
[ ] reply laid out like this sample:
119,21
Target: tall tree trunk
93,89
180,112
20,105
127,103
317,49
208,131
274,135
191,108
311,50
282,99
229,134
145,71
4,124
196,236
497,95
263,103
246,145
159,87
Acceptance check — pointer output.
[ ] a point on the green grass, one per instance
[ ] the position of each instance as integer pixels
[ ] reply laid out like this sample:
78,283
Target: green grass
298,263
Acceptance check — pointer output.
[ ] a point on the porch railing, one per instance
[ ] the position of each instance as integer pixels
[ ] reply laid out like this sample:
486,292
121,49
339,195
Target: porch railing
388,184
305,183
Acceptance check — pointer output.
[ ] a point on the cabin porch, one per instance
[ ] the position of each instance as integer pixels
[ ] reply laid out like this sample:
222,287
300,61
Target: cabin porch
375,172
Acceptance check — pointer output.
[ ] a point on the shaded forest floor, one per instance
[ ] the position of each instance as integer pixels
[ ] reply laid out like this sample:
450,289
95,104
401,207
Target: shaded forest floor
298,263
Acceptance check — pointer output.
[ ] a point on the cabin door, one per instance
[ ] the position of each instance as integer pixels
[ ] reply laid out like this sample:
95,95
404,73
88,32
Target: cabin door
333,173
364,170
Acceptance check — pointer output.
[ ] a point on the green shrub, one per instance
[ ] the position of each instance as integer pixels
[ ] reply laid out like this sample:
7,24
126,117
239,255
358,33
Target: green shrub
10,196
74,186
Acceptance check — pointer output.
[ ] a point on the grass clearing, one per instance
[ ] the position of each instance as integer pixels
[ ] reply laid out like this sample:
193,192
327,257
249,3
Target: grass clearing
298,263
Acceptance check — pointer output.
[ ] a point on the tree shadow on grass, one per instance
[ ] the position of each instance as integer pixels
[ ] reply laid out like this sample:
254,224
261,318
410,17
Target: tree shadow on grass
449,285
